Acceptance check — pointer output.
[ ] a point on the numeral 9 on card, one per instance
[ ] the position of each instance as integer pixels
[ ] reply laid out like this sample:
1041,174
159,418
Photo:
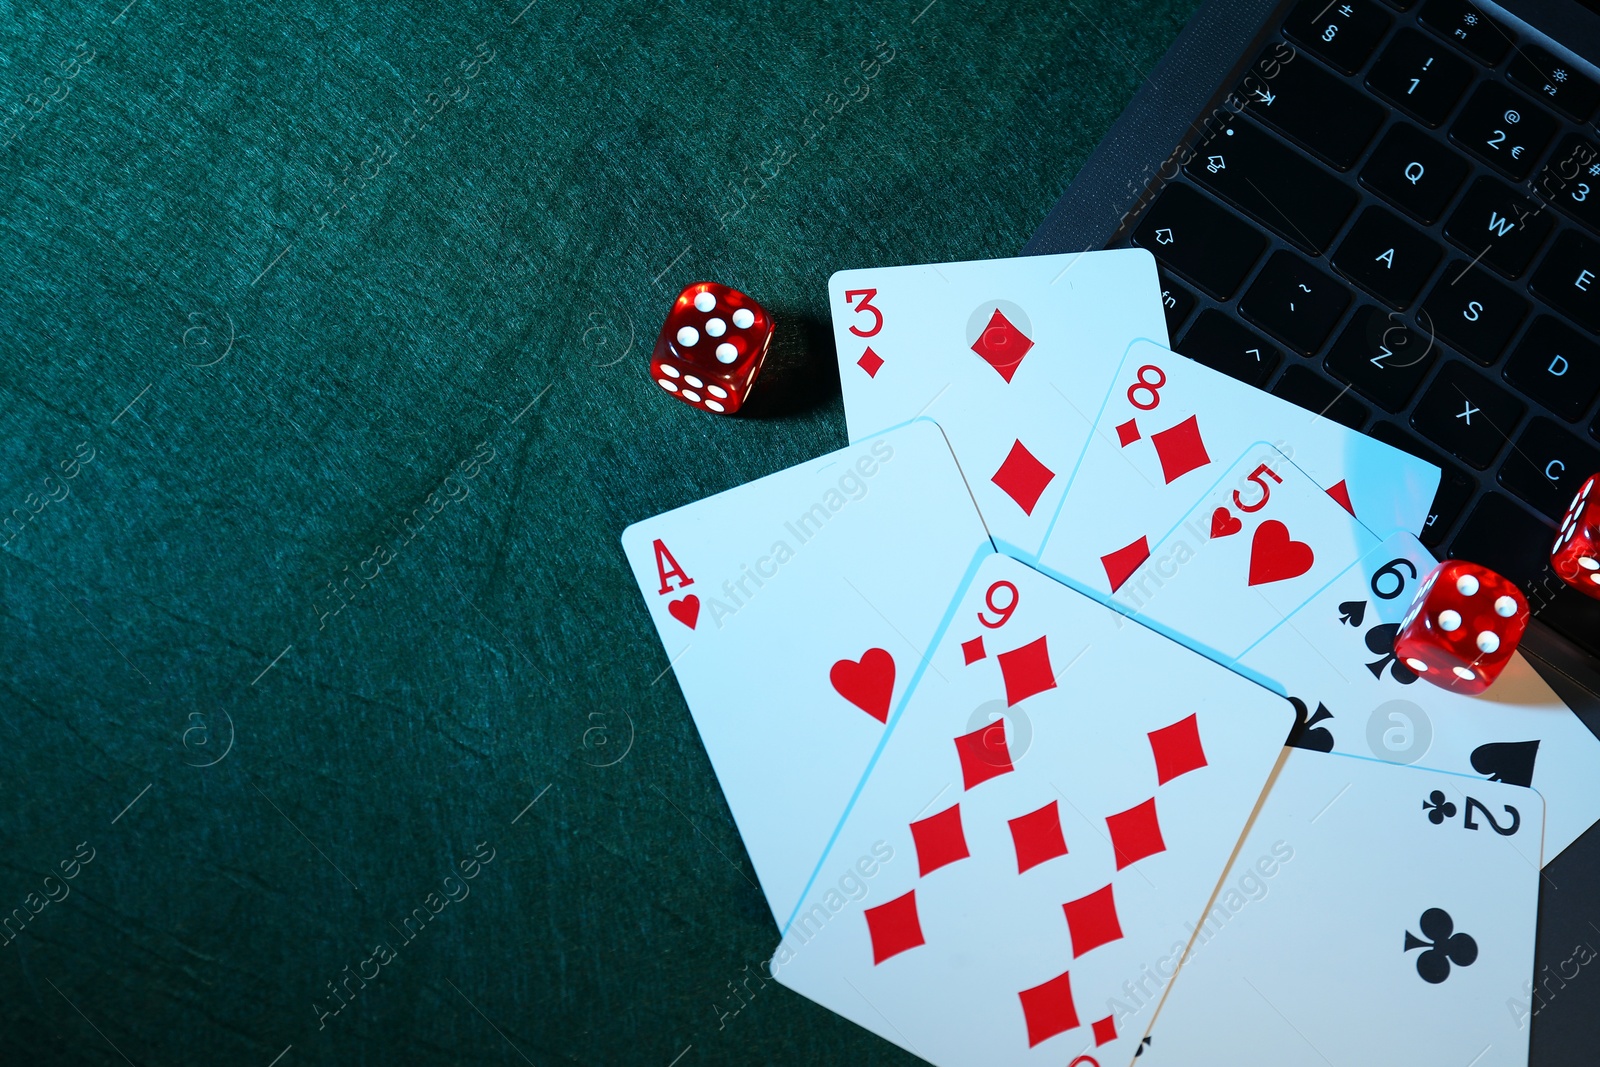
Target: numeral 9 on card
1002,612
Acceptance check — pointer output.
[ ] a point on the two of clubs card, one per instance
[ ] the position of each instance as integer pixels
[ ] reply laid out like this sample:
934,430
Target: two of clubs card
1059,715
1373,914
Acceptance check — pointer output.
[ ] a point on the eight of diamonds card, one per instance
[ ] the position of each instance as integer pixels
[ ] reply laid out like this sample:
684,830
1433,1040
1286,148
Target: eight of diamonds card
794,610
977,346
1390,920
1059,795
1162,430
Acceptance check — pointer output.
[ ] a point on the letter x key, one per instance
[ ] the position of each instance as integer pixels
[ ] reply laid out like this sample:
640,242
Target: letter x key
1467,414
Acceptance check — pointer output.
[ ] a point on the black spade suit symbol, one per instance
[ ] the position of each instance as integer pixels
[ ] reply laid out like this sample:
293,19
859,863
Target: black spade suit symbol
1306,733
1506,761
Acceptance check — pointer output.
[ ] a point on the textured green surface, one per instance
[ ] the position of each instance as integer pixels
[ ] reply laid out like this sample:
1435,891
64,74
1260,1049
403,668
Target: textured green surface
279,312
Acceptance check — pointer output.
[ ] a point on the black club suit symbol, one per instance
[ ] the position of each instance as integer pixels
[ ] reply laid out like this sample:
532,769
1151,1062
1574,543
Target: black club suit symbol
1442,948
1380,642
1438,808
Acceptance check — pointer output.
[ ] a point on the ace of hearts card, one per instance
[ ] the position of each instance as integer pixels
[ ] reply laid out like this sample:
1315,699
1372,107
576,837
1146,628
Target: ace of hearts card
794,612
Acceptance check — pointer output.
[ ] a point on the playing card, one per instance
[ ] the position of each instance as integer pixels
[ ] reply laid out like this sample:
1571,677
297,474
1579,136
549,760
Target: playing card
1056,798
1335,658
795,610
1262,540
979,346
1160,432
1374,914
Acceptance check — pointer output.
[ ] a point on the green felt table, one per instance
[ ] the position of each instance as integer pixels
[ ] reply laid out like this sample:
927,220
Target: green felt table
324,405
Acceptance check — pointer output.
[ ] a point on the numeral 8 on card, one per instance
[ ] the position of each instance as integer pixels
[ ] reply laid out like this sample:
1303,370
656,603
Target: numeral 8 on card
1151,386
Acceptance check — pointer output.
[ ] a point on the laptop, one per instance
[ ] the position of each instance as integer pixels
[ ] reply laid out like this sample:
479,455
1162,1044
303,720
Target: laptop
1425,176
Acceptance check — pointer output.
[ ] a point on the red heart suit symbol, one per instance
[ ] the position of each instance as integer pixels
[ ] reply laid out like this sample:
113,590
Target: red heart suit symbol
1224,524
686,611
1275,556
868,683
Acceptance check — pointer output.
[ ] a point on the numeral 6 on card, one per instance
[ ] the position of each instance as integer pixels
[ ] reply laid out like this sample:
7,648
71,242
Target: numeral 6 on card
1266,490
1392,569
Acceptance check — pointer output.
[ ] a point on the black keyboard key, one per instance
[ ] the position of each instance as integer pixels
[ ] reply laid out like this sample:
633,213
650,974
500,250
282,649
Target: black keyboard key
1505,226
1343,32
1176,302
1570,181
1294,302
1554,81
1217,340
1503,129
1386,257
1466,26
1466,415
1317,109
1414,172
1420,76
1300,385
1506,539
1556,366
1383,358
1472,312
1569,278
1548,466
1273,184
1199,240
1455,485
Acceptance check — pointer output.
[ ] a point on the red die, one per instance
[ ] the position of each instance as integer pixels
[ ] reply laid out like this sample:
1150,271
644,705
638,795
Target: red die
712,347
1463,626
1576,556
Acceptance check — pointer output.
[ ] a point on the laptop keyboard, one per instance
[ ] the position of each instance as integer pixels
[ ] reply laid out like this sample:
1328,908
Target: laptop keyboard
1396,223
